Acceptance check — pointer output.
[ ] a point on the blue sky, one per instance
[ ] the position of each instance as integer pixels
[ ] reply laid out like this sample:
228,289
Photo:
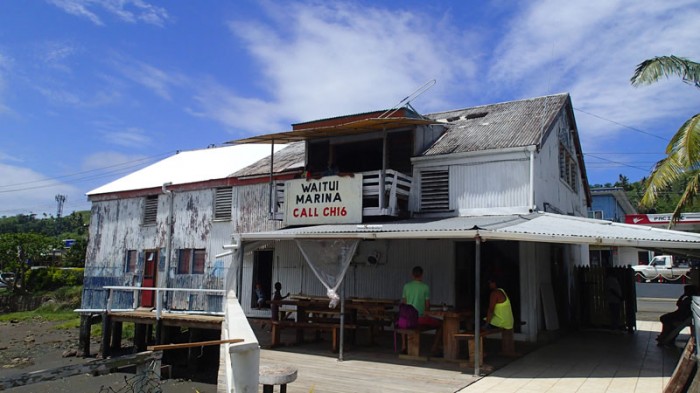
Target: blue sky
91,90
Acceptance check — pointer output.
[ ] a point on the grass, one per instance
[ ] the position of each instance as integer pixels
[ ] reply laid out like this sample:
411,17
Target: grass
58,307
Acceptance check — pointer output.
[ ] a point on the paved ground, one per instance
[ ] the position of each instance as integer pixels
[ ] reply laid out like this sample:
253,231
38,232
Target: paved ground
593,361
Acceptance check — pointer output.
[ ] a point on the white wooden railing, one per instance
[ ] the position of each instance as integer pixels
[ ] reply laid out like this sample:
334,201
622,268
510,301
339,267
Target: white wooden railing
159,297
396,186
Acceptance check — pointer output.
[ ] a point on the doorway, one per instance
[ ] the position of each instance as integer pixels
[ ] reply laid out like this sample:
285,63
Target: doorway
262,275
500,261
149,277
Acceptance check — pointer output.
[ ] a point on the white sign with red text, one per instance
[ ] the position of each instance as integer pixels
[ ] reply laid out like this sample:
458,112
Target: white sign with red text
328,200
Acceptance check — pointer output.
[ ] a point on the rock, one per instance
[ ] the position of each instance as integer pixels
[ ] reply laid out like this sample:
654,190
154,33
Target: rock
29,339
69,353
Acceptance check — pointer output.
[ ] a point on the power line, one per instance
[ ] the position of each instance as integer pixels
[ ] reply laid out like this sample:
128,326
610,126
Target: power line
623,125
120,168
619,163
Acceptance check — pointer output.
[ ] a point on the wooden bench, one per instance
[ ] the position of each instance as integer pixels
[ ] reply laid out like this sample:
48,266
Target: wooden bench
277,327
507,342
471,346
410,341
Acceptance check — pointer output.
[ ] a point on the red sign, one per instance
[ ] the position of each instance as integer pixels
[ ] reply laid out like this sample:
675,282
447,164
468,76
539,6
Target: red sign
660,219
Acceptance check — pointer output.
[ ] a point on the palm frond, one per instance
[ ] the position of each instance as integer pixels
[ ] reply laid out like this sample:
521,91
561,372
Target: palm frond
666,172
685,144
651,70
689,194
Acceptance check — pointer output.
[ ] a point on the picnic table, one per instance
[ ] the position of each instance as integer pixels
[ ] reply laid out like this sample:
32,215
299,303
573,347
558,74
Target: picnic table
313,313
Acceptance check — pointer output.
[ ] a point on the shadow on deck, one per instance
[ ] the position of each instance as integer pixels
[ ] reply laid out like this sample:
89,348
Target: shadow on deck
371,367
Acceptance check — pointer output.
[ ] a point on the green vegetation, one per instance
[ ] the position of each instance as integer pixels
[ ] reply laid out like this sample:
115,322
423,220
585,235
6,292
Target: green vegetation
57,306
26,242
682,163
664,203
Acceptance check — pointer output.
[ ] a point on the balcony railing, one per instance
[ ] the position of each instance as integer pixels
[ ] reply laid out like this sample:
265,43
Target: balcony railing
126,298
391,202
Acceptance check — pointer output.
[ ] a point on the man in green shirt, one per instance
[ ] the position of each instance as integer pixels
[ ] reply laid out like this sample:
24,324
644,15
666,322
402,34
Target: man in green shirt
417,294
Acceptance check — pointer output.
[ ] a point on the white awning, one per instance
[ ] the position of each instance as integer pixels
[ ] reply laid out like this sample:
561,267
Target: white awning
534,227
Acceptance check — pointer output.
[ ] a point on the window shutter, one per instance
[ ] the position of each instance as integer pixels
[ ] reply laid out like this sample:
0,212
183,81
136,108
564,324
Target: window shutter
150,212
435,190
223,203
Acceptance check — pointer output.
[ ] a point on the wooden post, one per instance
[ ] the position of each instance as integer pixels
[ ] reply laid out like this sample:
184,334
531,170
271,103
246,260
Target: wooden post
139,337
106,334
116,335
84,335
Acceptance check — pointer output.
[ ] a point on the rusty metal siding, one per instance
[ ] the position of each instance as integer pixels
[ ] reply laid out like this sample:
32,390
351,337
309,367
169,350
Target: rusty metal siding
499,184
116,227
251,209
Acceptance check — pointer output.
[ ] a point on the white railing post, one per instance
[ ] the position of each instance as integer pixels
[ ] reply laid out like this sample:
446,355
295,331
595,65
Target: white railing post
109,300
159,304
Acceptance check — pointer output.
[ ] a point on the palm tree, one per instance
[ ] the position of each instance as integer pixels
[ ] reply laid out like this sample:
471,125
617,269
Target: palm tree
683,151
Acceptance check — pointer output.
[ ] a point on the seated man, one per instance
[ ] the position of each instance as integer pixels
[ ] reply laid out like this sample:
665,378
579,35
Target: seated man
417,294
500,316
672,320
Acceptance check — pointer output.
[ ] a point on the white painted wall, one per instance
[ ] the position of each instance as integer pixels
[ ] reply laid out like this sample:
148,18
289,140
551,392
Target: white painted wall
549,188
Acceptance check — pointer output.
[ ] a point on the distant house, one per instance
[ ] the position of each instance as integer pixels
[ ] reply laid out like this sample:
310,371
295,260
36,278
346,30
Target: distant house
496,190
612,204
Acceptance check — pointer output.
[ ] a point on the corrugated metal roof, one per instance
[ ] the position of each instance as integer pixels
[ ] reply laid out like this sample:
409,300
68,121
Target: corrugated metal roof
497,126
536,227
290,158
190,166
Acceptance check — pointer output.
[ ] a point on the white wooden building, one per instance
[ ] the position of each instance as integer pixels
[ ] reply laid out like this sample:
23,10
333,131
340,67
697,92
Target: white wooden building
498,190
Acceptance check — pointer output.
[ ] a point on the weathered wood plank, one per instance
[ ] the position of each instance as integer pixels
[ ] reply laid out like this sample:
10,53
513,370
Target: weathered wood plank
95,367
165,347
683,370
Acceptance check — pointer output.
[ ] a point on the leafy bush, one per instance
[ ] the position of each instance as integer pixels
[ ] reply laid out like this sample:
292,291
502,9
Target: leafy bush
50,279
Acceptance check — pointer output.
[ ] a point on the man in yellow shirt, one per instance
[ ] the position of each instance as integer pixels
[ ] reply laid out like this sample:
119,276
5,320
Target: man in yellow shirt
500,312
500,316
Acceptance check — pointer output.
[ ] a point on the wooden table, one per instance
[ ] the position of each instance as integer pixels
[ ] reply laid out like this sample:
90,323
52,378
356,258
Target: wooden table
314,312
450,326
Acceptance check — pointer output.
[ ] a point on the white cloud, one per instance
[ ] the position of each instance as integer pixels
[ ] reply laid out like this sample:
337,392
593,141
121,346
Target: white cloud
24,191
590,49
156,80
130,11
128,137
326,60
77,8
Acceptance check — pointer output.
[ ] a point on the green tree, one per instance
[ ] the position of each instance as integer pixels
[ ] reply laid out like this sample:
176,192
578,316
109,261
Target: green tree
682,162
19,251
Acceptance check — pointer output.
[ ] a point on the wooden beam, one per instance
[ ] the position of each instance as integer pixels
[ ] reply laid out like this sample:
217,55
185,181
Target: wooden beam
684,369
195,344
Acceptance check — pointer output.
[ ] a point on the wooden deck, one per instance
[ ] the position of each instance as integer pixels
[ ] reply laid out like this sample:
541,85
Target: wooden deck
169,319
365,367
320,374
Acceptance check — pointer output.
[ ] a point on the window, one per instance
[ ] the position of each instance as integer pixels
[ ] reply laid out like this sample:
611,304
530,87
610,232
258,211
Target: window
191,261
150,211
435,190
131,259
568,165
597,214
223,201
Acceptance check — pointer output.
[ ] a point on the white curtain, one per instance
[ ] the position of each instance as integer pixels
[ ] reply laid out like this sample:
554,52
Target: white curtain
329,259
